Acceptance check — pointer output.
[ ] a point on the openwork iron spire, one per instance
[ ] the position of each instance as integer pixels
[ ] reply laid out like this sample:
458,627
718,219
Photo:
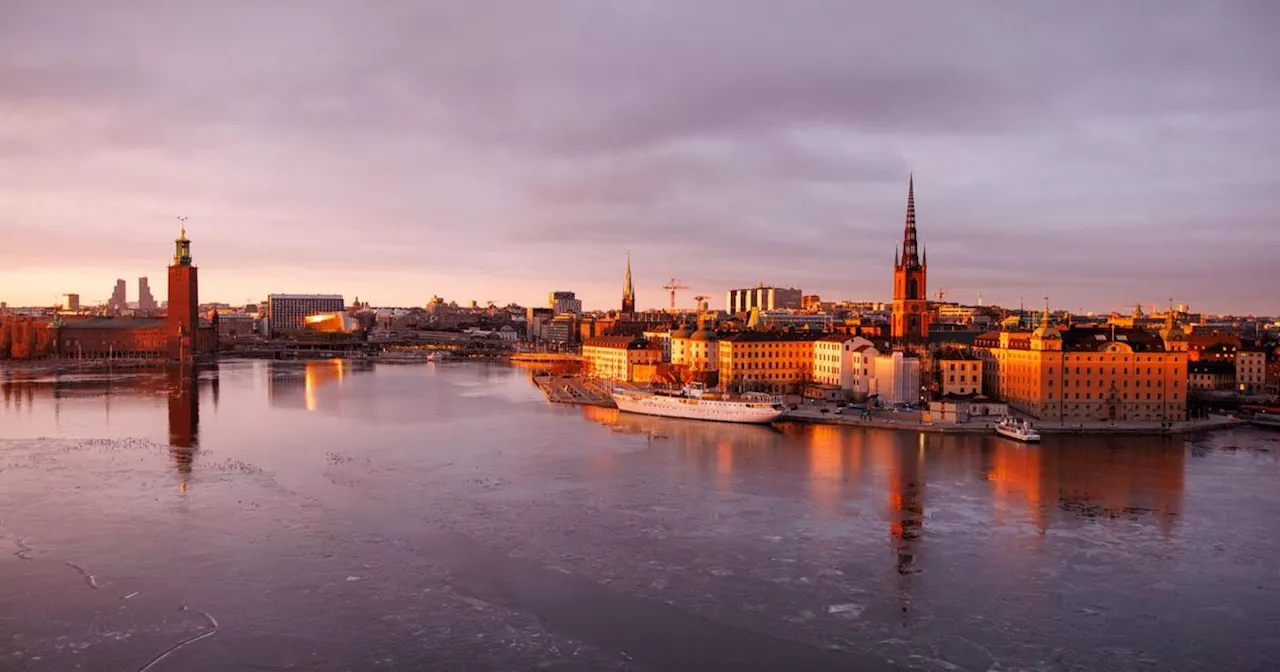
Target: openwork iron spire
910,257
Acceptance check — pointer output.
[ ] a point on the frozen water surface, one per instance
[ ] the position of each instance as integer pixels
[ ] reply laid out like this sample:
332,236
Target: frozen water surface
333,516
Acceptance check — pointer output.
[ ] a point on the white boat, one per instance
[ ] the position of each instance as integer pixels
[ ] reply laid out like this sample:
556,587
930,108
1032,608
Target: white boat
693,402
438,356
1018,430
1266,419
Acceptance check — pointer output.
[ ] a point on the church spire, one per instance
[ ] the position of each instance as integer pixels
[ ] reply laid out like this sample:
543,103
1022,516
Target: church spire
628,291
910,258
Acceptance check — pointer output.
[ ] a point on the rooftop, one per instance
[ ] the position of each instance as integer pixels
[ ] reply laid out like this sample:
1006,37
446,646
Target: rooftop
771,336
114,323
618,342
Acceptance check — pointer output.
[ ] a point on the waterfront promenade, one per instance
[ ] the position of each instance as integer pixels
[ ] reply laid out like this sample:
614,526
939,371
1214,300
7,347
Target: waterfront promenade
563,389
914,422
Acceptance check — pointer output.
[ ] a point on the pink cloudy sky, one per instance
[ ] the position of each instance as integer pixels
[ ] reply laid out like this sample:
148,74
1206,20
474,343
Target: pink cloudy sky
1101,154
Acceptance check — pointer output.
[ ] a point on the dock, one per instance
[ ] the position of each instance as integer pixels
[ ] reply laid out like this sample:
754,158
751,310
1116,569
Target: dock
565,389
545,357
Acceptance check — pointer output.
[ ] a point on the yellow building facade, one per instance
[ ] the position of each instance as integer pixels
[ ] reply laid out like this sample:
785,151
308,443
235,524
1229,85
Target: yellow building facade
763,361
616,357
1090,374
959,373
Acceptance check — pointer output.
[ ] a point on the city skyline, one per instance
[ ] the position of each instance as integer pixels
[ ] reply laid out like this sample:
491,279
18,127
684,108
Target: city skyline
1101,156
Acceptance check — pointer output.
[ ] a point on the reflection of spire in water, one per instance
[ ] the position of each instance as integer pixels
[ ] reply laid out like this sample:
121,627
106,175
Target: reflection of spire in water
184,419
906,515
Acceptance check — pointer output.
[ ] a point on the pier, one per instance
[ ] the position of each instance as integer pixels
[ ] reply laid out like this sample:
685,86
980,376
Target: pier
564,389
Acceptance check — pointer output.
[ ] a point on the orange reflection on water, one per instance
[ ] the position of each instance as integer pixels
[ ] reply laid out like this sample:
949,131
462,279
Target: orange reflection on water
724,466
317,374
1132,477
826,466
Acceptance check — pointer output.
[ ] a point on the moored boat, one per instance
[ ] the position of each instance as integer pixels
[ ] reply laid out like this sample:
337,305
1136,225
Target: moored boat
694,402
1266,419
1016,429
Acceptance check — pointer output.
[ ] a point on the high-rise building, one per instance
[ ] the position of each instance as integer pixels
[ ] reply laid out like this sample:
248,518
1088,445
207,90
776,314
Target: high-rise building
910,322
181,321
71,302
146,302
564,302
288,312
119,301
628,292
764,298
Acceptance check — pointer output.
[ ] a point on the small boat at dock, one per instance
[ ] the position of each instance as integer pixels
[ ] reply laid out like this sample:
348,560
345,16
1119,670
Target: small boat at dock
1018,430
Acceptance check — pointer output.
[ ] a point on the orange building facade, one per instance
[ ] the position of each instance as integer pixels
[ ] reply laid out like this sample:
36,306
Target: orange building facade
766,361
1090,374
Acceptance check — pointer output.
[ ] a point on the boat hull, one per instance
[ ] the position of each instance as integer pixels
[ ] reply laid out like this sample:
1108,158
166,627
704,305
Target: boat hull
1017,436
746,412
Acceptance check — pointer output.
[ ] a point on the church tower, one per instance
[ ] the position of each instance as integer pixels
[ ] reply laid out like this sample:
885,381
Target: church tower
628,292
184,300
910,307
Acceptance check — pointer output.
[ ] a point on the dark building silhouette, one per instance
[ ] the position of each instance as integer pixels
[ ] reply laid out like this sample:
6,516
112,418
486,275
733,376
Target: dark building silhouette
146,302
910,307
119,299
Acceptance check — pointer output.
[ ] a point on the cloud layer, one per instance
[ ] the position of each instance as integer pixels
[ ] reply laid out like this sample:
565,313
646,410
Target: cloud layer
1100,154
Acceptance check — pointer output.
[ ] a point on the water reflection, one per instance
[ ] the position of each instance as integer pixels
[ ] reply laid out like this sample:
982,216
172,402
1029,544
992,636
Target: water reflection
129,390
184,420
1138,479
299,385
1134,478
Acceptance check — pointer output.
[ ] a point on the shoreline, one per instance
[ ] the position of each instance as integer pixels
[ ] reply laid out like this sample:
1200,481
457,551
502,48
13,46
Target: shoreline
1178,429
574,390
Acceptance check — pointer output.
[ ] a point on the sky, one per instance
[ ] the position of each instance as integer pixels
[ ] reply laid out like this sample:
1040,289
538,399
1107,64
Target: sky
1100,154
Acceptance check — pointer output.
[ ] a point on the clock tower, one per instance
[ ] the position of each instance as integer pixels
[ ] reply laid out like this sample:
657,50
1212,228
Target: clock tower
910,307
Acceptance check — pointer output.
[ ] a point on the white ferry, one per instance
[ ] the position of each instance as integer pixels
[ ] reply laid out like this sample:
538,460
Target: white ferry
1018,430
695,403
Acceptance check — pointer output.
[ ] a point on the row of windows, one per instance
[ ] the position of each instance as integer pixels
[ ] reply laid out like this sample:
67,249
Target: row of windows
1088,396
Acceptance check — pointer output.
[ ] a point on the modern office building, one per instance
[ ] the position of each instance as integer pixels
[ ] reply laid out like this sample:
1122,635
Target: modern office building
564,302
71,302
146,302
119,299
764,298
288,313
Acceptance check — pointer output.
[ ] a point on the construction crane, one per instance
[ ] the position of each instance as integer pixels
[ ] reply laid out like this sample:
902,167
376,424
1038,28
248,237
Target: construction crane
942,293
672,286
697,301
